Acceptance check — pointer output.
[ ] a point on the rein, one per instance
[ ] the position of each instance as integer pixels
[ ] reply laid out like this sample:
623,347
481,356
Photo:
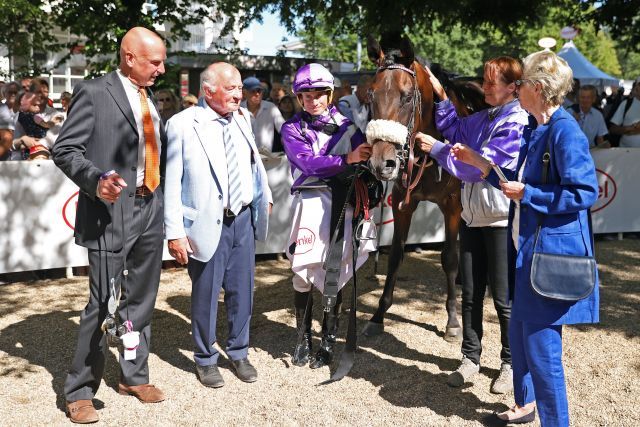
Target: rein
406,156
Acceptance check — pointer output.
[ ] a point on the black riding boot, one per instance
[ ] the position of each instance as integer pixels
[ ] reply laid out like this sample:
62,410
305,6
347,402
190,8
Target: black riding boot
303,346
324,356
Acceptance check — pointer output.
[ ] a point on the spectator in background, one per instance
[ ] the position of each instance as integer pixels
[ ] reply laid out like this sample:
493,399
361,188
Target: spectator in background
287,107
572,97
65,100
626,120
25,82
2,84
266,88
8,117
23,141
277,93
356,106
266,119
189,100
342,88
168,104
589,118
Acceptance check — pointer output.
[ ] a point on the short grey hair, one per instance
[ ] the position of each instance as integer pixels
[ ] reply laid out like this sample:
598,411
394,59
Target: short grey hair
552,72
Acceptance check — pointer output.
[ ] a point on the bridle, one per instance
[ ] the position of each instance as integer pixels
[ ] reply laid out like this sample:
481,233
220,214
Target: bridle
405,154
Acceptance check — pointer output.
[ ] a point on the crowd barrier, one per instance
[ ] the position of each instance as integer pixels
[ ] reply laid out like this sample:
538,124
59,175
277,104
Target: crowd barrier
38,205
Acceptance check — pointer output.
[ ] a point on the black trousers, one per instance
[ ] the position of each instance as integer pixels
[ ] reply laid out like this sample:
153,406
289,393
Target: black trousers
143,251
483,260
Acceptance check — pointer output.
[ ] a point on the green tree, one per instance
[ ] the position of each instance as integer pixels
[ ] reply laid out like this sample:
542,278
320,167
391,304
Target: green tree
24,29
104,23
456,48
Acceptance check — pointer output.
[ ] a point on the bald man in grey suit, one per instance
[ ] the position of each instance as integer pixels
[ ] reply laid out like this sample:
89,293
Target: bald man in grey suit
112,146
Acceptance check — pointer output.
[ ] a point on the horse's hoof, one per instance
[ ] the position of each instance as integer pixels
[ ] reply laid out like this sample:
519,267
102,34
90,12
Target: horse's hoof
453,334
373,329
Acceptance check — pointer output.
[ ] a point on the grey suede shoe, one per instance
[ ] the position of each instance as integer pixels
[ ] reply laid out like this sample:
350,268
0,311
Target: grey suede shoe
504,381
464,373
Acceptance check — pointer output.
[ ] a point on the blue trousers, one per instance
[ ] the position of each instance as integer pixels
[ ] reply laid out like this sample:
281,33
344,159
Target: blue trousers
538,374
231,268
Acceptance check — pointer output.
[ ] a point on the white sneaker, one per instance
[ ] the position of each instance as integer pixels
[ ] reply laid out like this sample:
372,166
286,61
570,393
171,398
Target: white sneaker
464,373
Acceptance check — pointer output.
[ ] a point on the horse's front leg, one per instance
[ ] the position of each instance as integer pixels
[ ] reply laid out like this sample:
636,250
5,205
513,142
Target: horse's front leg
451,210
401,223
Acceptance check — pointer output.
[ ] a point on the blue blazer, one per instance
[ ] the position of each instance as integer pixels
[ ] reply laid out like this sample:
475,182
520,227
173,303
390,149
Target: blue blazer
195,183
561,205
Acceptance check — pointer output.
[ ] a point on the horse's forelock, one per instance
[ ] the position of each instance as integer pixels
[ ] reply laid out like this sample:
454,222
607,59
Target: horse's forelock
395,57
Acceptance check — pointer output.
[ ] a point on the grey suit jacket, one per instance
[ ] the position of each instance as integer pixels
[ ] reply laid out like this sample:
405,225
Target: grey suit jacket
99,135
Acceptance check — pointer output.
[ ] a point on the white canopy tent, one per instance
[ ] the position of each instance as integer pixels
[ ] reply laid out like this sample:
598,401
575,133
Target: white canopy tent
583,70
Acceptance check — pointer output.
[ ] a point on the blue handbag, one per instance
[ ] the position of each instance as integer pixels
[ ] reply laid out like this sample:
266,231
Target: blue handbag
561,277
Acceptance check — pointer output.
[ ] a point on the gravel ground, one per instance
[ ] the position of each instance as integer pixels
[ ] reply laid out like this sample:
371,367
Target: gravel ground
399,377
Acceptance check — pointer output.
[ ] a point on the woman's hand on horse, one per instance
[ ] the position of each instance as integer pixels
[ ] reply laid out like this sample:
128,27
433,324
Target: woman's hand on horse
465,154
514,190
437,86
425,142
360,154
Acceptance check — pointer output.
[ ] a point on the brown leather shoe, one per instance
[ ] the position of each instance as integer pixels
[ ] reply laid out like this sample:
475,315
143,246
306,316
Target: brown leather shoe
146,393
82,412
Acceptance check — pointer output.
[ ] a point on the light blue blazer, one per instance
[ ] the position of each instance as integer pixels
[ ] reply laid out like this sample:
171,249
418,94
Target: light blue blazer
195,182
561,205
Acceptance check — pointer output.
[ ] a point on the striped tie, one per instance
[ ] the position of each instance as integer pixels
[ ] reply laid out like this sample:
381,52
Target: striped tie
235,187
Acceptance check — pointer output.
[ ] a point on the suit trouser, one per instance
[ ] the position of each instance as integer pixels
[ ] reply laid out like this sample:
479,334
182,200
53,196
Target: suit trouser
538,373
231,268
483,260
143,250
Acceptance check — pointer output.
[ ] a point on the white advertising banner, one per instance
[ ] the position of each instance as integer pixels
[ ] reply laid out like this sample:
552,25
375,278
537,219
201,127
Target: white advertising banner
38,206
618,206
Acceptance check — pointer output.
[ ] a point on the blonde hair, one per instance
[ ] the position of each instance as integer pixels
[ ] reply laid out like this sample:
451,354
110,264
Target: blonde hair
552,72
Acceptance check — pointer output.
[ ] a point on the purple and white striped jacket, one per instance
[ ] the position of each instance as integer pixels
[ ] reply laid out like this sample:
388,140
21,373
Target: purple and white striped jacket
313,154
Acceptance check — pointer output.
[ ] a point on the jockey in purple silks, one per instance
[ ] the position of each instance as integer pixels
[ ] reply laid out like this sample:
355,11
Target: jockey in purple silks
319,143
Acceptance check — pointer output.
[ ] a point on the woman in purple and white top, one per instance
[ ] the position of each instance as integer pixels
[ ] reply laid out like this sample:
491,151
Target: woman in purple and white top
319,143
496,134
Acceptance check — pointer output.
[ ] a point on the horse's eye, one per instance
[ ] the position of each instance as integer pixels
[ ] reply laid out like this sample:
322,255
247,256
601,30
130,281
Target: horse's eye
406,97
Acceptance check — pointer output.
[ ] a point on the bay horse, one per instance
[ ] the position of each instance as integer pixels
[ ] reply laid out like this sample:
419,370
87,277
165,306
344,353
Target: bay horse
402,93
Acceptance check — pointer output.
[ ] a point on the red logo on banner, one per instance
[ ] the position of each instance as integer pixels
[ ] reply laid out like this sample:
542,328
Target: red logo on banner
607,190
387,206
306,239
69,210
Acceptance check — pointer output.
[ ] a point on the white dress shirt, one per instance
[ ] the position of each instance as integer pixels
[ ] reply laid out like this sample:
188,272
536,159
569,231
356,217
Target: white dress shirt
133,95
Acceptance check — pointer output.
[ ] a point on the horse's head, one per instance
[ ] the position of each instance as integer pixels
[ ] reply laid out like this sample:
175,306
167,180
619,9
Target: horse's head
401,103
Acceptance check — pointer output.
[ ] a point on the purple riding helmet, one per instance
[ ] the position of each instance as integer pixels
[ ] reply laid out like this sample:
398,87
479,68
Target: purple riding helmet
312,77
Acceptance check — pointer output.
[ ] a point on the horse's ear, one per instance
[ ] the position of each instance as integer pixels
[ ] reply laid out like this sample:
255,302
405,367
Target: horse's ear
373,49
406,47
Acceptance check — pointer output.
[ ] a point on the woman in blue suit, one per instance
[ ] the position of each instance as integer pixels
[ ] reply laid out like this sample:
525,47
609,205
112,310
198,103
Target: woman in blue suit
561,206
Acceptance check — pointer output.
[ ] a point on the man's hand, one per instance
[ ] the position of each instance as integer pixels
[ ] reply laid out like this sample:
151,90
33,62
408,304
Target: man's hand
180,249
28,141
360,154
514,190
425,142
109,188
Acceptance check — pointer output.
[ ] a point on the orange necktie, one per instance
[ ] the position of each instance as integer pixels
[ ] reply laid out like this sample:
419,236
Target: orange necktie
151,158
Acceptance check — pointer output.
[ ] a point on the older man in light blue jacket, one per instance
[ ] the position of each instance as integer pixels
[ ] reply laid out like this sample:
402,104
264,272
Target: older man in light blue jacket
217,197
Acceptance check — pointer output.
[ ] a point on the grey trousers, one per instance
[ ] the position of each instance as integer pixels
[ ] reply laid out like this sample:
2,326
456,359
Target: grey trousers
143,251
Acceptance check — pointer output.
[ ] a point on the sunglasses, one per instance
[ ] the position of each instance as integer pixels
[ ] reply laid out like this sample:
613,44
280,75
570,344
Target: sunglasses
189,103
520,82
164,99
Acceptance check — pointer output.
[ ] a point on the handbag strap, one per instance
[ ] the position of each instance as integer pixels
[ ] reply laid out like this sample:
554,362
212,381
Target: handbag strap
546,159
